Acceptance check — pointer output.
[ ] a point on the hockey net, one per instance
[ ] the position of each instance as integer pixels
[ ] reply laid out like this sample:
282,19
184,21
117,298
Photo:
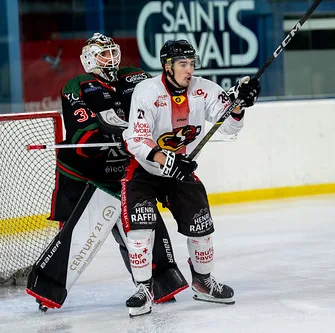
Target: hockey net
26,184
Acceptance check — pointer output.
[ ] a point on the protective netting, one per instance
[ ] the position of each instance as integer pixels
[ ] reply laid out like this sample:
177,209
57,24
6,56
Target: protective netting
26,184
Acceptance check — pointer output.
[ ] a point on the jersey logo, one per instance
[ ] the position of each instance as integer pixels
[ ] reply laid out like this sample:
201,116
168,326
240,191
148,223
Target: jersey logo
179,137
178,99
140,114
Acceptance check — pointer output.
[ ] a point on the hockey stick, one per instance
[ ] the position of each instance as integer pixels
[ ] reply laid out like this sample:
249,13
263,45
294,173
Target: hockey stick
74,145
231,138
260,72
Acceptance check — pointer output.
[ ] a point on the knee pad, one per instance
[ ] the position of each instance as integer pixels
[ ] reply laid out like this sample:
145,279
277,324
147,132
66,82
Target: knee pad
139,246
201,253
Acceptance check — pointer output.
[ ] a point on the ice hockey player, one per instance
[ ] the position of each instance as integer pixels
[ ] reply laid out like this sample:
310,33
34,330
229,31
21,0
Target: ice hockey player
95,110
171,110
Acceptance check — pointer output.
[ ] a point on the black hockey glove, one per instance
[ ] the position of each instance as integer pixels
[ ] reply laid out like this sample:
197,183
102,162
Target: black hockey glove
177,165
246,90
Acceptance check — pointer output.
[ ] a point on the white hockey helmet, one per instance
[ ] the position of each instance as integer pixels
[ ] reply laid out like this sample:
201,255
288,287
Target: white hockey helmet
101,56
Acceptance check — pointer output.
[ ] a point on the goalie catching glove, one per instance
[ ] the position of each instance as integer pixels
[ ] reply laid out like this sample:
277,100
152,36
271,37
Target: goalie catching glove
247,90
111,123
177,165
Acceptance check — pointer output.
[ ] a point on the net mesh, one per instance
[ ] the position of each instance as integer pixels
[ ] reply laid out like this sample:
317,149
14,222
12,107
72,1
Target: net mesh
26,185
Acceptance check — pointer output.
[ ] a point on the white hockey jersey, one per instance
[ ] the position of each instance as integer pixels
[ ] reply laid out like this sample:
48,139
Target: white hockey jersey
175,123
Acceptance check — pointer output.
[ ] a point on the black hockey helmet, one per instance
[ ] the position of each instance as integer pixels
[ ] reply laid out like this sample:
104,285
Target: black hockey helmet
178,49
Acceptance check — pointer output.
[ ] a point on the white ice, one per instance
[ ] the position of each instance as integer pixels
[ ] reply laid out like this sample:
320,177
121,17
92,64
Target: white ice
279,256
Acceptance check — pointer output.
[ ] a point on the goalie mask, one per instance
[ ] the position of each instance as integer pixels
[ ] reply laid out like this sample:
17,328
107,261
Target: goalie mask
101,56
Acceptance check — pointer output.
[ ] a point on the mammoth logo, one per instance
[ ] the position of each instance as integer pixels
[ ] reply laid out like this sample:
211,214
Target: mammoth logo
179,137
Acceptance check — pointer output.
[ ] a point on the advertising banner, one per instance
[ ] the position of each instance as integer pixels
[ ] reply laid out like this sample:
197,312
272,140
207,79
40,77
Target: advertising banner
224,34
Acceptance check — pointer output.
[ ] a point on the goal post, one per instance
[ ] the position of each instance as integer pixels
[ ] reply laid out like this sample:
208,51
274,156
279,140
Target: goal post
27,180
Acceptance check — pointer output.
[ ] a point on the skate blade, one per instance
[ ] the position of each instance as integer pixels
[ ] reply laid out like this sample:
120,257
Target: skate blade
42,307
207,298
135,312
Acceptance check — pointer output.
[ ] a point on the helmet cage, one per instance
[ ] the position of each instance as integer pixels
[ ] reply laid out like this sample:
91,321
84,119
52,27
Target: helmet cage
101,56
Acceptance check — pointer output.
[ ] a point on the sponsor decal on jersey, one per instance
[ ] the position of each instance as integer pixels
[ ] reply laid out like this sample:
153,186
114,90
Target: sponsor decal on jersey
201,221
143,213
199,92
142,129
128,91
179,137
114,169
106,95
92,88
161,101
137,140
71,97
179,99
135,78
181,119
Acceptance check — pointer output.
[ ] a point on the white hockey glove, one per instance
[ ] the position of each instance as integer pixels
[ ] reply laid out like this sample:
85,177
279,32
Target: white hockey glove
246,90
177,165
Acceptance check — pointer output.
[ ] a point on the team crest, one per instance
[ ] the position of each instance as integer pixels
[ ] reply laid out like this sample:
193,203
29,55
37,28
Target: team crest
179,99
179,137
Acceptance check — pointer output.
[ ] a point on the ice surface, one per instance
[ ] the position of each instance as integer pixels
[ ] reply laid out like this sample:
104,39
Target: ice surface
279,256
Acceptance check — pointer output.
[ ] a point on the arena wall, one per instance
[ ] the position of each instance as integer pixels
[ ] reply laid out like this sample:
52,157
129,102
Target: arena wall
285,149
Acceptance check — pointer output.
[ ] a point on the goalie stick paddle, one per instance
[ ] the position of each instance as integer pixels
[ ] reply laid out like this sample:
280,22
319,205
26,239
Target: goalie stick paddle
260,72
73,145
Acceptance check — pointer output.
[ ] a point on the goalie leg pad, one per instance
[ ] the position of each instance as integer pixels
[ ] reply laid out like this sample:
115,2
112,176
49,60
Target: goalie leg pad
168,284
74,247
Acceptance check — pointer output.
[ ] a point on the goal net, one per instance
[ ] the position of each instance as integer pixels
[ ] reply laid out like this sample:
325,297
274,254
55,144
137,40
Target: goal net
26,185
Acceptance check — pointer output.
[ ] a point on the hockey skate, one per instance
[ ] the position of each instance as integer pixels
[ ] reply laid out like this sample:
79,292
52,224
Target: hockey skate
141,302
206,288
42,307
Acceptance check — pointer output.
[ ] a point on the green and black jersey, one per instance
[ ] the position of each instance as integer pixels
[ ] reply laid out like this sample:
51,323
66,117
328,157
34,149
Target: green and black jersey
82,97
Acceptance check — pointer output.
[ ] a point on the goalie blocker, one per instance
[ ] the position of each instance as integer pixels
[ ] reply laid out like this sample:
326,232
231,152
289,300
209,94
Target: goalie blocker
71,251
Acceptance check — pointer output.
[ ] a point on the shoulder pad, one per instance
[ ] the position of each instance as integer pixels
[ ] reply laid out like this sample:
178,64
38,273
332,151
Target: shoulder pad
73,85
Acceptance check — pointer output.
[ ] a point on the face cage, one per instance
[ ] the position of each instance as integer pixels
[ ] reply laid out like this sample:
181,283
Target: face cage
89,61
111,62
197,63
